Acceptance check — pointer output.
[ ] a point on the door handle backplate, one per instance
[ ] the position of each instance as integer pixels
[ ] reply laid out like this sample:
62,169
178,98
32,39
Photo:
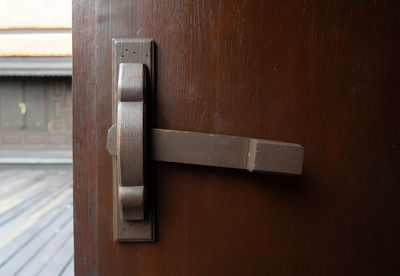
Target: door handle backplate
133,208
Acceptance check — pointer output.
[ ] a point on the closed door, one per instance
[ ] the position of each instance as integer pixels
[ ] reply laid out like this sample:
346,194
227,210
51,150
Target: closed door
324,74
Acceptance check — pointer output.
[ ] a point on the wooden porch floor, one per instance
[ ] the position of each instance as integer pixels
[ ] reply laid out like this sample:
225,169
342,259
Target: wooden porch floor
36,228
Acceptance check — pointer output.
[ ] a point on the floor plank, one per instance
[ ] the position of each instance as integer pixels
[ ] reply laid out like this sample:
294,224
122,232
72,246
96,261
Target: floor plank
17,244
29,206
36,226
13,174
11,204
69,271
58,264
14,186
44,256
30,249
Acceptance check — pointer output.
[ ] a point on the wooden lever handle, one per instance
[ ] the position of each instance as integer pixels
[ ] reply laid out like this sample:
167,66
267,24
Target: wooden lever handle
254,155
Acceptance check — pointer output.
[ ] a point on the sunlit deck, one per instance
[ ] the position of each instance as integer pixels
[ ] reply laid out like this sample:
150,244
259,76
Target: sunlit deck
36,226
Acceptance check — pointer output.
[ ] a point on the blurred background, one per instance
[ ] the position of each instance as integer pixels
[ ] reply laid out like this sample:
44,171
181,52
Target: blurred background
35,138
35,66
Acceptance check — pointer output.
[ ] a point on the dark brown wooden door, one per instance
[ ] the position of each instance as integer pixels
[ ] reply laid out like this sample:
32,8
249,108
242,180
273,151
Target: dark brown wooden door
324,74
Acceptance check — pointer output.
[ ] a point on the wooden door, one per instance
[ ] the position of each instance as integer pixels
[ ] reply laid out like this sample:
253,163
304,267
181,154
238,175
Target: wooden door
324,74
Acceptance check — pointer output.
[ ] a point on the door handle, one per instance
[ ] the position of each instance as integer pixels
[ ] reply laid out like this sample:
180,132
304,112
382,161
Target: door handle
254,155
127,137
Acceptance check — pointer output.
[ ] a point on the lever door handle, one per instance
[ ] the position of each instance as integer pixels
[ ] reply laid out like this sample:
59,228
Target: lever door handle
254,155
127,137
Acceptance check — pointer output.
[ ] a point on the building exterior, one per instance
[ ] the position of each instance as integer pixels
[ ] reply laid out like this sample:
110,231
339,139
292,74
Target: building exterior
35,75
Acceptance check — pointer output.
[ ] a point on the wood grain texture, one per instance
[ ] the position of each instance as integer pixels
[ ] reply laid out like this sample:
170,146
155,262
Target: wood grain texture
194,148
84,87
323,74
226,151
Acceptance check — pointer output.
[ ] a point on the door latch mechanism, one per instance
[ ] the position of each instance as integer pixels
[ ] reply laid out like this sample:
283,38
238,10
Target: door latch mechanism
133,83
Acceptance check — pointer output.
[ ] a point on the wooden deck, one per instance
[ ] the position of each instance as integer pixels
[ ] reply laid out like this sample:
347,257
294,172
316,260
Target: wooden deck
36,228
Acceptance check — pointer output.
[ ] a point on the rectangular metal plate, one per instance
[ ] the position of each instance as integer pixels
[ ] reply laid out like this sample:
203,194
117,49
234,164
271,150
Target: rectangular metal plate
134,50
